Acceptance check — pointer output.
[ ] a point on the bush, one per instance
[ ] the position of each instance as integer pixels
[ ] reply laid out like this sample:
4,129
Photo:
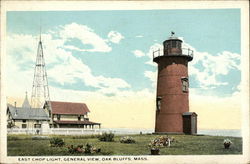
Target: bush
107,137
56,142
88,149
127,139
161,142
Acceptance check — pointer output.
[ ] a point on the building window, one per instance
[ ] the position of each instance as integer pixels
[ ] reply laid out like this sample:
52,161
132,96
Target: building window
58,117
79,118
158,103
24,121
24,126
37,125
184,82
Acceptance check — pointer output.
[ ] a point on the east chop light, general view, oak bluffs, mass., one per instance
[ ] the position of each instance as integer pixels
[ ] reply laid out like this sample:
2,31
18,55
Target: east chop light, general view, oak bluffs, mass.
105,59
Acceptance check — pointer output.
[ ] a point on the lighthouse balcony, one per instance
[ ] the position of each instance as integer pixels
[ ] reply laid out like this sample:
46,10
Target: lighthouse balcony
184,52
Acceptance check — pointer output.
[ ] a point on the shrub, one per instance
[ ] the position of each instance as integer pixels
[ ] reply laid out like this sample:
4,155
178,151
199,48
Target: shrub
56,142
161,142
227,143
127,139
107,137
88,149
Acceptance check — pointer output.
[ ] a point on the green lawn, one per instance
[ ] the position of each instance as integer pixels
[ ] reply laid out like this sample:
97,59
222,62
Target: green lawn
24,145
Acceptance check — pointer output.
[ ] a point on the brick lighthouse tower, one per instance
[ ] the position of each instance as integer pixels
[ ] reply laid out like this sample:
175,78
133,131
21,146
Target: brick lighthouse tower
172,102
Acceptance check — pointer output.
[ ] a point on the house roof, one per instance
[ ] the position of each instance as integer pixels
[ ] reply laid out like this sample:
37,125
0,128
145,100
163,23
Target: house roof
85,122
69,108
20,113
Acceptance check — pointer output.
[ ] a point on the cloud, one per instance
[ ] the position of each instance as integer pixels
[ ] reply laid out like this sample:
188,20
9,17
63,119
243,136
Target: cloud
206,68
24,50
65,68
87,36
19,72
115,36
152,77
62,66
139,36
151,52
138,53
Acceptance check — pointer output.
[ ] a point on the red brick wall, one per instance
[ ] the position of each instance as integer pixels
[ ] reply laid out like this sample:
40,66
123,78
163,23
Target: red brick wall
174,101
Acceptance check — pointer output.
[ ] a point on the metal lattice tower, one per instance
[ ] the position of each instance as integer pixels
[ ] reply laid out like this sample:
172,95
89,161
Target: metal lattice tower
40,89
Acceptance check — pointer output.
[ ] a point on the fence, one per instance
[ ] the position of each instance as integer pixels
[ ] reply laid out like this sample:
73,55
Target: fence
56,131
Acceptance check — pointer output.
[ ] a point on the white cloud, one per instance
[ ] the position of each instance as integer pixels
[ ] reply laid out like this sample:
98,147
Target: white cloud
22,46
139,36
152,77
153,52
62,66
206,67
138,53
87,36
20,52
115,36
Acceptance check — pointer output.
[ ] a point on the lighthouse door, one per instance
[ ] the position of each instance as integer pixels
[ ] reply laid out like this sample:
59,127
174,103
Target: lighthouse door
189,122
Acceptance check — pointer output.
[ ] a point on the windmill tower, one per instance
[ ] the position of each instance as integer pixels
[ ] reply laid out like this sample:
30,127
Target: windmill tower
40,89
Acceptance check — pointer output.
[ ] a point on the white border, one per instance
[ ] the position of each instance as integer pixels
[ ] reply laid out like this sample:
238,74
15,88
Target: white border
139,5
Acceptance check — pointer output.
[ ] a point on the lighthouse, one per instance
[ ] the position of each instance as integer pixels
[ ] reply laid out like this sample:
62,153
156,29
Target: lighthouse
172,95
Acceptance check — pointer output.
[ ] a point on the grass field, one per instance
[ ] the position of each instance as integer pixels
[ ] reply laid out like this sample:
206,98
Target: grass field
24,145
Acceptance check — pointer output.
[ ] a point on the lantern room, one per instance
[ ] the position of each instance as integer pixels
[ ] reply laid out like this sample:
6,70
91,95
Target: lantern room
172,46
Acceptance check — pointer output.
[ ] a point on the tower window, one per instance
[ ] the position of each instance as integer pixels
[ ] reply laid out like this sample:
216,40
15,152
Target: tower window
158,103
184,82
179,45
174,44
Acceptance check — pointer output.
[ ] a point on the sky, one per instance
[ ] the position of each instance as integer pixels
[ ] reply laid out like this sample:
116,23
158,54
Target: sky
104,59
